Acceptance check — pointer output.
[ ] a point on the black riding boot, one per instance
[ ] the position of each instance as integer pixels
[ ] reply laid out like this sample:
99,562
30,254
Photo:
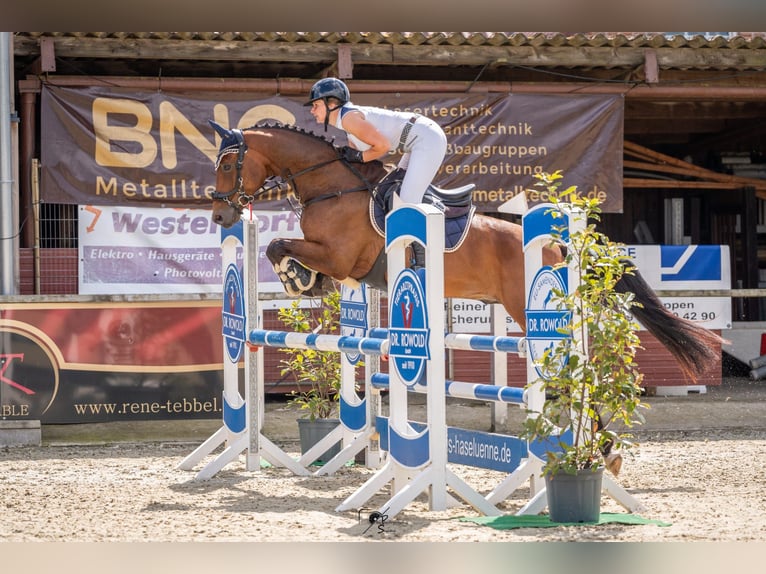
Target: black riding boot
418,260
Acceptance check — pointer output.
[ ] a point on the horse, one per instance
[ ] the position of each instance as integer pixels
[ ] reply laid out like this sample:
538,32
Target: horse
341,242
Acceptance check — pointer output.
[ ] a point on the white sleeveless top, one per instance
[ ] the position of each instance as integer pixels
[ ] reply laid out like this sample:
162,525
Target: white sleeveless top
387,122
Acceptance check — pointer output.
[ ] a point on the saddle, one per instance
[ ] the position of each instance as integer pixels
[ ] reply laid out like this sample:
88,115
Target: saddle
456,204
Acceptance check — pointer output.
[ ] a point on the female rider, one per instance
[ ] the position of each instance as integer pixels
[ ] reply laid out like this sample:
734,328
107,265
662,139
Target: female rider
374,132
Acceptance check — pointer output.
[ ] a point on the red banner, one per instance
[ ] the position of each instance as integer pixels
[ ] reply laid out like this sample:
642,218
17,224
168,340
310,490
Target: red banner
114,146
88,362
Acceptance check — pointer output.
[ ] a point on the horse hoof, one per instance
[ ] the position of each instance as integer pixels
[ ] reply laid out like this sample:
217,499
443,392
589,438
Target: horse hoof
303,277
613,462
283,266
291,288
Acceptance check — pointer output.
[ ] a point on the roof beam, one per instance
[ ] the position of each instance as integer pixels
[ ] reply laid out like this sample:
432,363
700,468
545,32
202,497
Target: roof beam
288,86
675,110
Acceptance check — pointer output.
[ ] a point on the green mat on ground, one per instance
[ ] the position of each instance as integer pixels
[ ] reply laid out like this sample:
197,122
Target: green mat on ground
508,521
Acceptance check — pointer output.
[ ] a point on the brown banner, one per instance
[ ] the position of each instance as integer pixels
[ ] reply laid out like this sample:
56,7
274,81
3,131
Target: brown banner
111,146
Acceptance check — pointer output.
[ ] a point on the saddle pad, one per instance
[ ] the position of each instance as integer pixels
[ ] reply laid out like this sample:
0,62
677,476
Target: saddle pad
455,228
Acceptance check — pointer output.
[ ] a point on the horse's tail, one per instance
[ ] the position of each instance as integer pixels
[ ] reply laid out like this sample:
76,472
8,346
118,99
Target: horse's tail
694,347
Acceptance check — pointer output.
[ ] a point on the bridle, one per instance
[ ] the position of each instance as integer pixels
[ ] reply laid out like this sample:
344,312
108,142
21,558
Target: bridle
243,199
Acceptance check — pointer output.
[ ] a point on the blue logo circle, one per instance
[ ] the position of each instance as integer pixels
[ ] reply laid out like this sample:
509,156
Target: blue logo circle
233,313
408,327
544,320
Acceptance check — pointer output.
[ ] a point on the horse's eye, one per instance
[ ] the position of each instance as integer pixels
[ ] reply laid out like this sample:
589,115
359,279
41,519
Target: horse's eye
226,167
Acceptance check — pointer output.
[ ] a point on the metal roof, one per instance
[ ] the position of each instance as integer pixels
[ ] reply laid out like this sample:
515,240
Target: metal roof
731,40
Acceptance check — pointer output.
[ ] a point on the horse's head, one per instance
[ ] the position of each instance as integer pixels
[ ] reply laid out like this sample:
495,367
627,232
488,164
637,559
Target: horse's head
281,154
236,183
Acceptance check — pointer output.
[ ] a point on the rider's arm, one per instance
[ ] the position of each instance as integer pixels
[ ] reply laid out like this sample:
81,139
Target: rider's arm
355,124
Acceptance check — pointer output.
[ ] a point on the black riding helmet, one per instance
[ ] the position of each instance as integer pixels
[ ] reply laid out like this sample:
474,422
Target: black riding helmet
329,88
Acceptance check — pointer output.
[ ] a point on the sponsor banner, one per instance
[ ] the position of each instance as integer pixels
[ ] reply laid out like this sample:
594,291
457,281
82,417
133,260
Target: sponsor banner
115,146
471,316
148,250
73,362
688,268
140,250
502,453
665,268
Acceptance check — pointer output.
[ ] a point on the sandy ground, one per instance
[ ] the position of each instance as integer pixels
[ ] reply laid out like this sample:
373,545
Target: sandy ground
700,467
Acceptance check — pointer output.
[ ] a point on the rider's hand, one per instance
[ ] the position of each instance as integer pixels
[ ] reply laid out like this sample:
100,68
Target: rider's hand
351,155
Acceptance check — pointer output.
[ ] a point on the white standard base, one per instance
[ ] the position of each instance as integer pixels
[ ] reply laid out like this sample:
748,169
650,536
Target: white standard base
681,390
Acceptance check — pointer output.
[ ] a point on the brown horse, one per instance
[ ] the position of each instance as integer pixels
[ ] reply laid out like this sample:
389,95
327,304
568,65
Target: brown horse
341,242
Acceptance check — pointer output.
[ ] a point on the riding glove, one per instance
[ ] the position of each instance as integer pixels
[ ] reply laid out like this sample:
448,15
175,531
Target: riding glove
352,155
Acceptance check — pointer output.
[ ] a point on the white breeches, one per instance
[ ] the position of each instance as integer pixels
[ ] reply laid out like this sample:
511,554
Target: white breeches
424,153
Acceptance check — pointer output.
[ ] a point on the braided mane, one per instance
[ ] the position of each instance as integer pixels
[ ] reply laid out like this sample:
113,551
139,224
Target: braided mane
275,124
370,169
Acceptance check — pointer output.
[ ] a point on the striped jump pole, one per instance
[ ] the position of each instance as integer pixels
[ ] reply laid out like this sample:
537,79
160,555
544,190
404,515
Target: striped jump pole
467,342
319,342
463,390
357,429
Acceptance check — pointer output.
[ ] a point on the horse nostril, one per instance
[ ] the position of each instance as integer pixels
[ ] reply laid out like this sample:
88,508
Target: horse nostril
217,218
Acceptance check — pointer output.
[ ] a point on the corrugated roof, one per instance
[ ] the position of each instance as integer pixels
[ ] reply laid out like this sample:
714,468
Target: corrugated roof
732,40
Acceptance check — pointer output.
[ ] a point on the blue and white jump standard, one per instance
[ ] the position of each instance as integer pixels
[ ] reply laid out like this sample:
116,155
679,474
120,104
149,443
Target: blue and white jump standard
243,419
418,453
417,459
413,455
538,226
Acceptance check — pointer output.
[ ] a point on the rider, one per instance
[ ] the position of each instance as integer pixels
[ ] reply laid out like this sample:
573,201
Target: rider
374,132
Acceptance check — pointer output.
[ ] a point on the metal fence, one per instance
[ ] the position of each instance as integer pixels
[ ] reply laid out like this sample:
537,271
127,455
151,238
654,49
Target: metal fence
50,266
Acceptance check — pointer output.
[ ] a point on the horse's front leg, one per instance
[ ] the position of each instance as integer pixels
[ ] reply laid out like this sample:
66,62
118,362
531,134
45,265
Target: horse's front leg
302,266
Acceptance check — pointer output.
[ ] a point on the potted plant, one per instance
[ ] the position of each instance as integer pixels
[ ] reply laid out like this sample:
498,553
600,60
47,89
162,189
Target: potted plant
592,383
316,373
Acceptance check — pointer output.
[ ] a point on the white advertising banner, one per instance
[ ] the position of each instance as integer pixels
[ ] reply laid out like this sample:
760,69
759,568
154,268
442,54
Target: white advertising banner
665,268
144,250
688,268
470,316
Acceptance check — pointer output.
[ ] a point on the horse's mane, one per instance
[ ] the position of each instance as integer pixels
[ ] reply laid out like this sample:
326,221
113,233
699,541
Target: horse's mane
275,124
291,128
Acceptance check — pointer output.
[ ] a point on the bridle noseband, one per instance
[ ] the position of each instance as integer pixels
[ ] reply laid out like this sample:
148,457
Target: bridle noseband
243,199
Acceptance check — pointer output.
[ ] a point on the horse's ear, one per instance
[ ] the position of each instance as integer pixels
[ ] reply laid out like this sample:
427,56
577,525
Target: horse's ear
222,131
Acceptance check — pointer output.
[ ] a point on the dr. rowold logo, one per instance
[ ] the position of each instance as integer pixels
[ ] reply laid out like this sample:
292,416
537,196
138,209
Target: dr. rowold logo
408,331
544,321
233,314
